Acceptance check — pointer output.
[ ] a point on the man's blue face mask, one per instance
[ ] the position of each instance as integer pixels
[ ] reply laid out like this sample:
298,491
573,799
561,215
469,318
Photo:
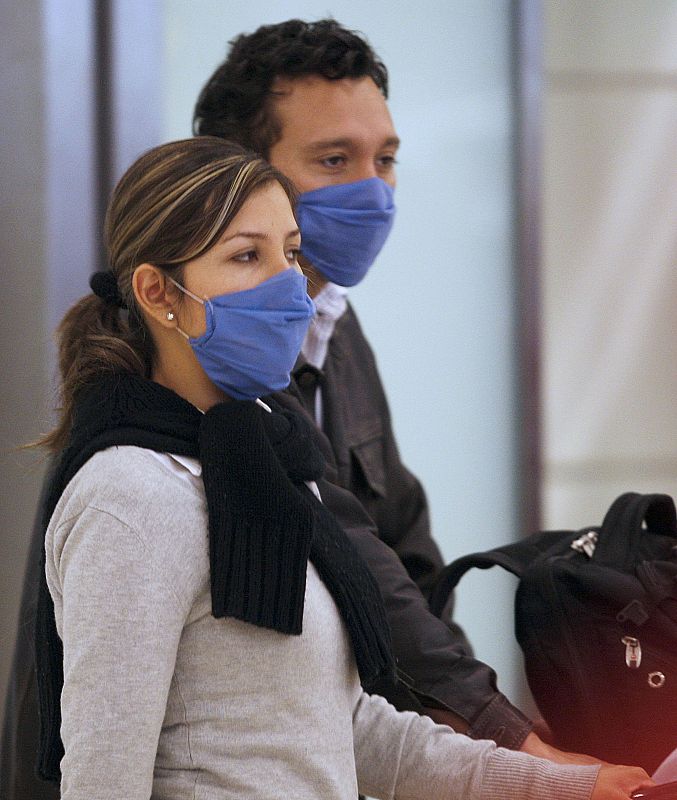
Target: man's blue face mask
344,226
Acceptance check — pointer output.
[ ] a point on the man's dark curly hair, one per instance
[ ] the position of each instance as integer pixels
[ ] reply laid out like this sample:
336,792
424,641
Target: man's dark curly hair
234,104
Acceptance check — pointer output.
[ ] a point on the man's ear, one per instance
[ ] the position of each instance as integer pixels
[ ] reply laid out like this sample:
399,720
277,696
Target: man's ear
155,294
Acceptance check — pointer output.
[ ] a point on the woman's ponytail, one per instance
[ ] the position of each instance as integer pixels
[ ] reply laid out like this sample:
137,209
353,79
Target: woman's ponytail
95,338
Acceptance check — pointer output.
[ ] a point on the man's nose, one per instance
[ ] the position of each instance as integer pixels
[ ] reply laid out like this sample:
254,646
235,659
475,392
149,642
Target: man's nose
364,170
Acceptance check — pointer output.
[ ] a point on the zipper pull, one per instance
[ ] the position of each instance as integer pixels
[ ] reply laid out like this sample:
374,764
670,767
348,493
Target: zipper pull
586,543
633,652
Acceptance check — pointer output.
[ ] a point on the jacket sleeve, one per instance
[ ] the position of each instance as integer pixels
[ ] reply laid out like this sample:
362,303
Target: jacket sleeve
431,662
403,519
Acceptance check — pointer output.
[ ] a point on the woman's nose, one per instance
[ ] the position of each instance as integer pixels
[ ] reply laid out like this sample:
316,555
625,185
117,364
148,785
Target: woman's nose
282,264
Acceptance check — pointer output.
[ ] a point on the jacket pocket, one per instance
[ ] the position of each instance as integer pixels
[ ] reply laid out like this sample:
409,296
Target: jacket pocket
370,463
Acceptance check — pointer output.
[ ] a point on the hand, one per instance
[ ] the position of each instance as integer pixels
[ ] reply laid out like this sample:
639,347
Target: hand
618,783
535,746
542,730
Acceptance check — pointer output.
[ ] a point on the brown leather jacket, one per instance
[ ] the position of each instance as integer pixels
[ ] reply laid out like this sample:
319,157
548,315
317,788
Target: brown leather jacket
435,661
356,420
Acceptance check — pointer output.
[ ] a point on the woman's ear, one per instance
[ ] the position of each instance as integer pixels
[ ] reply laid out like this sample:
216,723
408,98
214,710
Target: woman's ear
155,294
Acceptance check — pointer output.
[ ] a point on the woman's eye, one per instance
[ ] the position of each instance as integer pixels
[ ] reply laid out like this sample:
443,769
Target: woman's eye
293,254
333,161
245,258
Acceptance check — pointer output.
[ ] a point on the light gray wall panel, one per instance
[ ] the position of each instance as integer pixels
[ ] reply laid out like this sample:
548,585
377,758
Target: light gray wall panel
47,245
610,256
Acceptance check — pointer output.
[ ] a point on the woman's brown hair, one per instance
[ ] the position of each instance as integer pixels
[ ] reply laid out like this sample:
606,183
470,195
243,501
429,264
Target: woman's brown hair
170,206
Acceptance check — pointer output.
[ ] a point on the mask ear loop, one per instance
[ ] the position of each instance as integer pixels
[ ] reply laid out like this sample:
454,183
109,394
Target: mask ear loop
258,401
192,296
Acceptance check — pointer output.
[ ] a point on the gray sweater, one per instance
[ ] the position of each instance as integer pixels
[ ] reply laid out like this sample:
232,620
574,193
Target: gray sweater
162,700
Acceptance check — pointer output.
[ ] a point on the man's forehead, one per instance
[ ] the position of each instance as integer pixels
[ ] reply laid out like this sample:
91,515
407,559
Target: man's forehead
331,97
333,112
286,85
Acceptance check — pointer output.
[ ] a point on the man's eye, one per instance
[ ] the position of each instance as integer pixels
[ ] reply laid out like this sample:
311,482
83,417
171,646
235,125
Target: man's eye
387,161
245,258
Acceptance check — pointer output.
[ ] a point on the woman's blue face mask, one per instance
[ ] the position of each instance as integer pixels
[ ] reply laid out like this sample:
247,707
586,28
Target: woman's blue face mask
253,337
344,226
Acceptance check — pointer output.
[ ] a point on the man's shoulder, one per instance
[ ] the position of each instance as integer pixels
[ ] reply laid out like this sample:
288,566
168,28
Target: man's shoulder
349,334
353,379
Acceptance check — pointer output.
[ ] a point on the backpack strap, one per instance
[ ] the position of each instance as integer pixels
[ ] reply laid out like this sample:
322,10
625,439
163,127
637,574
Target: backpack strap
623,527
514,558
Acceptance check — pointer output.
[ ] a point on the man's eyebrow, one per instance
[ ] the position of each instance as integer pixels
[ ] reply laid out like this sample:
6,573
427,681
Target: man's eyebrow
331,144
257,235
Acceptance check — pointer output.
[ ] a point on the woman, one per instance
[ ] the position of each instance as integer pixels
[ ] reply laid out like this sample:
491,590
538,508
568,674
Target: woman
205,625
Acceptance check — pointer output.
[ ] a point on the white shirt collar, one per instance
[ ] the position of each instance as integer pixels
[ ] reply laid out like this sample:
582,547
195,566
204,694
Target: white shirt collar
331,301
330,304
191,464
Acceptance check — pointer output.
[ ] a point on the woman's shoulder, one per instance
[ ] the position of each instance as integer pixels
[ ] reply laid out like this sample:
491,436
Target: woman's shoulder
156,497
134,477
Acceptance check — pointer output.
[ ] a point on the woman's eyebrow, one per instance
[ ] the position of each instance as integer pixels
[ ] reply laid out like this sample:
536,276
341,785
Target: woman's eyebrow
257,235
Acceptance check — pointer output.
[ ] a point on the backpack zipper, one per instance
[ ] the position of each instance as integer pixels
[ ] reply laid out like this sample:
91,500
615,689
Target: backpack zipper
633,652
586,543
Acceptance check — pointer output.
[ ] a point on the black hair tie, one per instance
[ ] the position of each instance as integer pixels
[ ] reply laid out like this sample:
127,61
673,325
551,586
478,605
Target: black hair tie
104,285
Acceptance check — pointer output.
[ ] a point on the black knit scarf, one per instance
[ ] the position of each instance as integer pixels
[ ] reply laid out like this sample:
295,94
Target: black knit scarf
264,523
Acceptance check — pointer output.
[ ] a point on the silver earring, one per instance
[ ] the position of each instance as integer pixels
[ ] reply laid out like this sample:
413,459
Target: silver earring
170,315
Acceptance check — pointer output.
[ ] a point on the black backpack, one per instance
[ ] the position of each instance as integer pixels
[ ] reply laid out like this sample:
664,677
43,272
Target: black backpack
596,618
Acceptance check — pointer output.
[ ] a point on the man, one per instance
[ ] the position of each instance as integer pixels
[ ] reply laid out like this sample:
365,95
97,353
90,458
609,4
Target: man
311,98
273,95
